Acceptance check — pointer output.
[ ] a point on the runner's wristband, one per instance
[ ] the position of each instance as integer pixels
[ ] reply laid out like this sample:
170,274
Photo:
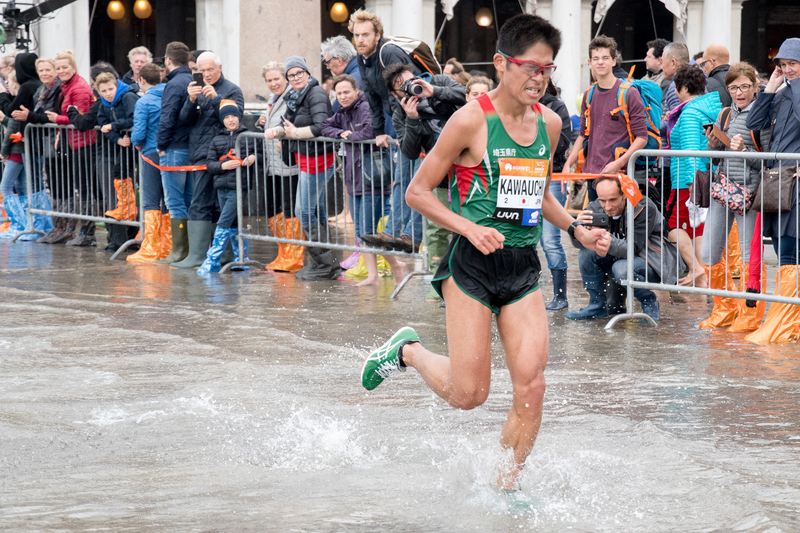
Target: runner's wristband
571,229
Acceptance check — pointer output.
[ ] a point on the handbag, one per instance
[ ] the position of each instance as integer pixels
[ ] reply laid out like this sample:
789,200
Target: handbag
376,168
775,191
700,188
732,195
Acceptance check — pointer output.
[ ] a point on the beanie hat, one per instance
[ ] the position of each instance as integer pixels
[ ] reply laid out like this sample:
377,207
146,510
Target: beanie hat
294,62
790,49
229,107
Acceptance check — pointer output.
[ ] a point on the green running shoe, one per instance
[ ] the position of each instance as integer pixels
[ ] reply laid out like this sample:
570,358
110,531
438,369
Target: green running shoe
383,362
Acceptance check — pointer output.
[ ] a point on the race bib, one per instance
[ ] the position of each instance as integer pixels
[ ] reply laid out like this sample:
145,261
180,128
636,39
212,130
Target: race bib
520,190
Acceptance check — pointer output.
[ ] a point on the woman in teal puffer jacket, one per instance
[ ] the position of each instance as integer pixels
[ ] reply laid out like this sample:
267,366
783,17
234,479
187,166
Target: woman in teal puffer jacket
685,132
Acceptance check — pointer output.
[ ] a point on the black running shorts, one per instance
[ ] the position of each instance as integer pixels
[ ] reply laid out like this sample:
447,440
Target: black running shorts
498,279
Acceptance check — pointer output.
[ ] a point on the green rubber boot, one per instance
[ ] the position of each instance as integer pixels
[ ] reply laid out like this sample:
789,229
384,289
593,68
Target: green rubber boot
200,233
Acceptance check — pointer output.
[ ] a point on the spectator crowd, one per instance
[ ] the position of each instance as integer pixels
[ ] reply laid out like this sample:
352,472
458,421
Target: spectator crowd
386,109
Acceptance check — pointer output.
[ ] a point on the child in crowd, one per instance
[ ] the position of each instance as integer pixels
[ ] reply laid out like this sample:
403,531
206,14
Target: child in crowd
478,86
157,242
369,202
222,164
114,116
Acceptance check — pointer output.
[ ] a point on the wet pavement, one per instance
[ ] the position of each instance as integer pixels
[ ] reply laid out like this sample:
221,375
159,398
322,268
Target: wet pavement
144,398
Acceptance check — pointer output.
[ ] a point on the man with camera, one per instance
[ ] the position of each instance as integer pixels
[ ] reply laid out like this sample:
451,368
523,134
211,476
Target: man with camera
424,107
654,257
418,118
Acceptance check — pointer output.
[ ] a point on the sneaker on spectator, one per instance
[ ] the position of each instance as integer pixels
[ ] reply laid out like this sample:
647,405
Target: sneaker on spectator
403,244
383,362
377,240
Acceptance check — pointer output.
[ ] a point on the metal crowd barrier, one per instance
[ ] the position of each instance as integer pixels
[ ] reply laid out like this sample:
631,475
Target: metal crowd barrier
3,219
78,169
270,182
721,158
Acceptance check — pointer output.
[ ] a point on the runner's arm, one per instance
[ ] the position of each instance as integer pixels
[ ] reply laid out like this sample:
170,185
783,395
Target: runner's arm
452,144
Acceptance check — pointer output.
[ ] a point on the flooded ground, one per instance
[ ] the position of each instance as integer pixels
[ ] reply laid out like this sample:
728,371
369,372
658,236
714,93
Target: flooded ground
143,398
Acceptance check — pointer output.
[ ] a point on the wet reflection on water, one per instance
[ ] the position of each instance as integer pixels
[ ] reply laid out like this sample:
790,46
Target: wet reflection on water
139,396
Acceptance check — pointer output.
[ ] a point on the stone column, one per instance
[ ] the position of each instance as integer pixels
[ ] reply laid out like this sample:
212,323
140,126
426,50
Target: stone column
384,10
218,31
269,31
694,26
567,18
736,31
407,19
716,24
67,30
586,36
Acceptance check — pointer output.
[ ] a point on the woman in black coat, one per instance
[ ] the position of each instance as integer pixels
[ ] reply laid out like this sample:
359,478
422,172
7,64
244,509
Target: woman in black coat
308,106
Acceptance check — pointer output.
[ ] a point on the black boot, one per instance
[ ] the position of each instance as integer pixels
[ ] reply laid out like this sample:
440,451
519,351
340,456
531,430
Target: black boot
559,291
58,230
321,264
616,295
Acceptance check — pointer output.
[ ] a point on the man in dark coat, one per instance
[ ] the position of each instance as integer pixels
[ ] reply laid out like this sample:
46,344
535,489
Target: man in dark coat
715,64
367,32
173,148
201,110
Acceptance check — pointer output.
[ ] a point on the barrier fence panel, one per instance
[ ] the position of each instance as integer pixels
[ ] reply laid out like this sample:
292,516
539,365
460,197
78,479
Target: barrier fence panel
88,178
742,188
318,188
3,216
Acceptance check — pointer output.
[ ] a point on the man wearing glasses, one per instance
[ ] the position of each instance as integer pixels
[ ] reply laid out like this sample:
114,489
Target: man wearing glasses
340,57
602,124
497,151
715,64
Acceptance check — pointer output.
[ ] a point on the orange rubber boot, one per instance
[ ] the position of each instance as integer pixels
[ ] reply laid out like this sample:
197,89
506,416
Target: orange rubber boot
151,244
749,318
735,255
128,196
166,237
116,213
290,257
276,224
783,320
725,309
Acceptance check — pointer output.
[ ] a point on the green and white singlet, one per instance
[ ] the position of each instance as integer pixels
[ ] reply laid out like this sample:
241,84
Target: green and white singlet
505,191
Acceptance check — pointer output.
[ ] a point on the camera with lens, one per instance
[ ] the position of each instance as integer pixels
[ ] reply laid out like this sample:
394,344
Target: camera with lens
410,89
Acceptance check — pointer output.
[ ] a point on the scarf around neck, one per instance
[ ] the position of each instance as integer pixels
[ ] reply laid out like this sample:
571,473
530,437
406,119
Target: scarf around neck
292,97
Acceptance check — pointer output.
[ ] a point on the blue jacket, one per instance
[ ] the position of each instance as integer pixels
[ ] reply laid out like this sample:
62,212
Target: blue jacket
352,70
146,116
203,117
118,113
687,134
171,133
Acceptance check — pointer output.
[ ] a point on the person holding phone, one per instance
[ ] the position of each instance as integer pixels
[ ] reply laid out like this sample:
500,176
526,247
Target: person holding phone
685,132
779,107
742,83
201,111
608,212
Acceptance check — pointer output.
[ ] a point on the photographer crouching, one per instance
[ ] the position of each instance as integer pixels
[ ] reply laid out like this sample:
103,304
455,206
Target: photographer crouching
655,256
420,110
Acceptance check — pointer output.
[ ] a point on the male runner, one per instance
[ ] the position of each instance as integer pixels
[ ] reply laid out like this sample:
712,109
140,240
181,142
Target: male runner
500,188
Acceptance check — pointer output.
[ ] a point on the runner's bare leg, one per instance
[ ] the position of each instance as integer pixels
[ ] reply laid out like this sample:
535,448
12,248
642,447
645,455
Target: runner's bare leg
463,378
523,331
